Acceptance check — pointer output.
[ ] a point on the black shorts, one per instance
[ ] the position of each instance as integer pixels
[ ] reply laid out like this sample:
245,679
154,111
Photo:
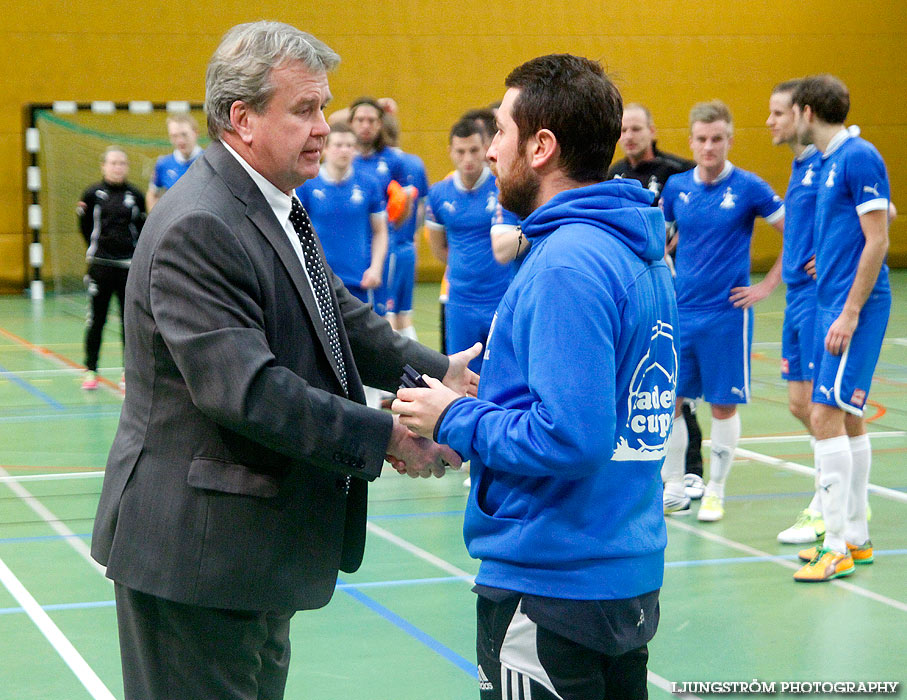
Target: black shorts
521,660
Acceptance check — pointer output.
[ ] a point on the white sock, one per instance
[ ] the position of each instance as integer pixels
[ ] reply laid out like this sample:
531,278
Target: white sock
408,332
835,465
816,503
675,456
725,436
856,531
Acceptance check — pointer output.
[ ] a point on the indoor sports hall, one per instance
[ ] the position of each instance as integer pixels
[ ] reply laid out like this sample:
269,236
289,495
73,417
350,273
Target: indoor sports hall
82,76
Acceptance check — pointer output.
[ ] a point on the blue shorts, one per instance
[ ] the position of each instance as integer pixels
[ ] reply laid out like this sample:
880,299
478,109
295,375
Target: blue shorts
714,357
466,324
374,297
798,336
400,276
843,380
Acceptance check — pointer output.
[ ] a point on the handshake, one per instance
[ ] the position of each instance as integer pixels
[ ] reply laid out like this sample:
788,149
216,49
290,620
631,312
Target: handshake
417,408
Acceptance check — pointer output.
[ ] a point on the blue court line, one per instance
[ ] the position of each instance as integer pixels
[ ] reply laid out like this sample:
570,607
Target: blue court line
22,384
460,662
351,589
64,415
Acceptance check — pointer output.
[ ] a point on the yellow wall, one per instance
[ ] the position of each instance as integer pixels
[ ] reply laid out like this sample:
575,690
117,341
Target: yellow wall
439,58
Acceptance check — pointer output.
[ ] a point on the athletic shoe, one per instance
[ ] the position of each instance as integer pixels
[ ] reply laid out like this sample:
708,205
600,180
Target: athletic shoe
712,509
825,566
90,383
860,553
676,503
694,486
808,528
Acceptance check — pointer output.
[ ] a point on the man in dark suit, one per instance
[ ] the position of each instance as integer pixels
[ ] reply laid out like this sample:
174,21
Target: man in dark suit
236,484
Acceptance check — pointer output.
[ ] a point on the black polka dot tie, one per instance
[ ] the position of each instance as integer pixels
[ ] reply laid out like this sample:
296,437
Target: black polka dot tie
319,280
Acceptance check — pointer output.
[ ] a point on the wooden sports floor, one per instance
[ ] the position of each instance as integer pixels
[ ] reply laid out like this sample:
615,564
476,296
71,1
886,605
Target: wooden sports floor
403,626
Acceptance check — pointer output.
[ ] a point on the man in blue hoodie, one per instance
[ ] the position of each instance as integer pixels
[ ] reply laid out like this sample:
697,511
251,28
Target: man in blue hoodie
567,436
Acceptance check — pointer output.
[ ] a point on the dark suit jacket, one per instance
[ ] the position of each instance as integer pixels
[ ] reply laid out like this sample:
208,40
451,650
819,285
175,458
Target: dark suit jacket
225,484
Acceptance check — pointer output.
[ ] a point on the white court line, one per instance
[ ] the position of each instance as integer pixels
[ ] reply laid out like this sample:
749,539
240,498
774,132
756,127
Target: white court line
804,437
446,566
52,520
51,477
740,547
87,677
882,491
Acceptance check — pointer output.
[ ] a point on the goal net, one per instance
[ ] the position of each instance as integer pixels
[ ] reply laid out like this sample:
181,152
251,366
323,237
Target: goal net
72,139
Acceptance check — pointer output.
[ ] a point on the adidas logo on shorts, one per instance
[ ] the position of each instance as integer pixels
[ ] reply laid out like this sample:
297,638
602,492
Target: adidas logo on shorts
484,683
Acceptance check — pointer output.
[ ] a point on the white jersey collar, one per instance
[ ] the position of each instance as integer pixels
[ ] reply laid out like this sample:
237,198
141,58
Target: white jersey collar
724,175
458,181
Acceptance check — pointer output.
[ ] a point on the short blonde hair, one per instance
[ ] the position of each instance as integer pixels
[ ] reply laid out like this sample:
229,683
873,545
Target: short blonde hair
712,111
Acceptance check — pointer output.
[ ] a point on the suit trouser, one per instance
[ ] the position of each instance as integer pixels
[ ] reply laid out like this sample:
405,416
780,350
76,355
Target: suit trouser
174,651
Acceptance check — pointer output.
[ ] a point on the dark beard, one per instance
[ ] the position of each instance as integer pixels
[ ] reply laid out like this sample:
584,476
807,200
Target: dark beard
518,193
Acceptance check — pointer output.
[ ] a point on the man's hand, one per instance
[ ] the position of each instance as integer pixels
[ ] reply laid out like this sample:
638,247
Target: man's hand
459,377
418,456
810,267
841,331
371,279
745,297
420,409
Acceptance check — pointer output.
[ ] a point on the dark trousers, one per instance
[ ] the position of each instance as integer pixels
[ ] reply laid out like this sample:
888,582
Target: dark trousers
576,672
173,651
104,281
694,447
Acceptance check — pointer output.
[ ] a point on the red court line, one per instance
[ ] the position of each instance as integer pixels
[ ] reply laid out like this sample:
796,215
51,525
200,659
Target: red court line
54,356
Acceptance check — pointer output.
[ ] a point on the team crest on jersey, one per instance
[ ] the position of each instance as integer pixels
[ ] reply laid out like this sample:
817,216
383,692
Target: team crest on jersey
381,167
650,401
491,204
858,398
808,176
785,365
356,197
728,201
830,180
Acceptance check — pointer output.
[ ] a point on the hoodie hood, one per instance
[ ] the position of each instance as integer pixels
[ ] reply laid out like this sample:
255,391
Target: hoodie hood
623,208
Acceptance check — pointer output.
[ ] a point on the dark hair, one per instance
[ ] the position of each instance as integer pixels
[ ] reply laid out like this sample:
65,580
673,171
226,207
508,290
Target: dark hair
826,95
485,118
574,99
787,86
371,102
464,128
341,128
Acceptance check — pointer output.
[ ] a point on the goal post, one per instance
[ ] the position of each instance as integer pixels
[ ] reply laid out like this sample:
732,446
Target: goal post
64,143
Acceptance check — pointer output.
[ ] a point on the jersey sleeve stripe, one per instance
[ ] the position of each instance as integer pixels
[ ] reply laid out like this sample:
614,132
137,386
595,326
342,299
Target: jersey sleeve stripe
872,205
777,216
434,225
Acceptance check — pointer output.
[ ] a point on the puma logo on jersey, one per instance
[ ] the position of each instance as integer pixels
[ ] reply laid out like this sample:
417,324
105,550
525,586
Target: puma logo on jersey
449,207
738,391
684,197
871,190
825,391
830,180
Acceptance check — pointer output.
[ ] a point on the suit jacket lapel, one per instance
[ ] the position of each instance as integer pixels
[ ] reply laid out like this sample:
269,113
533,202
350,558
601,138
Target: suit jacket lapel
260,213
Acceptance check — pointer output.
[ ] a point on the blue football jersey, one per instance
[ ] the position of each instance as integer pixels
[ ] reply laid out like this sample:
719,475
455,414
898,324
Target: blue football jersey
384,165
402,236
853,181
799,217
715,222
466,216
341,216
170,168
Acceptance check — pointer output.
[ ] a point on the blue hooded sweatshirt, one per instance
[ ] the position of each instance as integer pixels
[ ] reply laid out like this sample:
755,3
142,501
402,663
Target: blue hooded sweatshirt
567,436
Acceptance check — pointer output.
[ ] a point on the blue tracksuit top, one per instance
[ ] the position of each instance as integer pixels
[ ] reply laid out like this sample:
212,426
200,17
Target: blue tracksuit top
567,436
